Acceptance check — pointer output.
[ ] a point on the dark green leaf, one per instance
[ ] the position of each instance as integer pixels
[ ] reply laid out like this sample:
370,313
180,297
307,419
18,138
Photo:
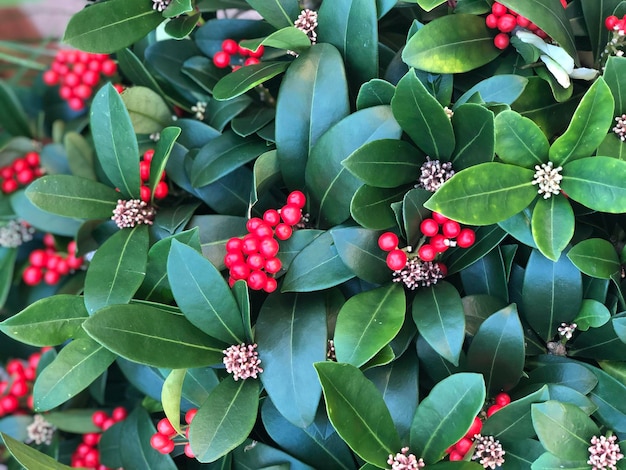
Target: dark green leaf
252,120
474,134
478,308
413,212
180,27
135,71
203,72
77,420
519,141
177,7
147,110
592,314
7,263
253,454
595,257
548,461
571,375
29,457
278,13
246,78
613,72
594,14
501,88
487,275
552,225
80,155
374,93
487,238
371,207
215,231
288,38
359,251
162,152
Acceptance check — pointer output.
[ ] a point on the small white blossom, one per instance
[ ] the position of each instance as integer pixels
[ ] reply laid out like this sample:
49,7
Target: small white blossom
404,461
567,330
620,127
604,453
548,179
488,451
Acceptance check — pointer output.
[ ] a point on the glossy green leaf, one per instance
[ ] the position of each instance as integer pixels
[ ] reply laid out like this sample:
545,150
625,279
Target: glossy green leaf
565,394
147,110
278,13
29,457
486,275
111,26
478,308
367,322
7,263
171,394
109,283
115,142
499,89
591,121
439,317
548,461
446,414
152,336
595,257
71,196
450,44
487,238
77,420
571,375
48,322
80,155
246,78
519,141
287,38
374,93
358,249
225,419
252,120
385,163
135,70
552,293
352,27
358,412
253,454
612,146
602,343
484,194
77,365
497,350
215,230
430,4
371,207
422,117
331,185
413,212
611,410
12,116
167,138
474,135
177,7
592,314
613,72
563,429
203,72
314,88
288,353
181,26
552,225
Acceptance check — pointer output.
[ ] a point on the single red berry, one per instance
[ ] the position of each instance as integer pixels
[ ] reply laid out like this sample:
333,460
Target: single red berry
610,22
158,441
250,244
498,9
83,57
502,399
51,277
61,69
388,241
32,159
6,172
70,56
426,252
451,229
19,164
268,247
491,21
257,280
501,41
99,417
454,456
264,230
164,426
475,428
32,276
52,261
256,261
91,438
463,445
9,403
119,87
396,259
167,448
230,46
234,244
291,214
440,243
33,360
38,258
144,171
91,77
147,155
522,21
19,388
221,59
30,373
15,367
272,217
66,92
429,227
188,452
506,23
108,423
439,218
161,190
71,80
283,231
466,238
253,223
533,27
76,104
79,68
258,53
272,265
270,285
233,257
144,193
50,77
251,61
190,415
109,67
74,262
25,176
297,198
82,449
49,241
119,413
541,33
92,458
492,409
239,271
62,267
9,186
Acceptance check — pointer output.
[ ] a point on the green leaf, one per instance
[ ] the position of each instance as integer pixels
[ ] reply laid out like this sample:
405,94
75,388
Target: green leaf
519,141
597,182
181,26
318,266
570,375
352,27
252,120
135,71
486,275
430,4
147,110
613,72
474,134
591,121
374,93
487,238
177,7
439,317
612,146
7,263
288,353
79,155
215,231
413,212
446,414
225,419
171,394
497,350
116,282
595,257
246,78
71,196
563,429
331,185
287,38
484,194
151,336
48,322
162,152
592,314
547,461
358,249
203,295
357,411
594,14
29,457
422,117
12,117
315,89
552,225
499,89
385,163
551,293
115,141
371,207
367,322
611,410
451,44
278,13
76,366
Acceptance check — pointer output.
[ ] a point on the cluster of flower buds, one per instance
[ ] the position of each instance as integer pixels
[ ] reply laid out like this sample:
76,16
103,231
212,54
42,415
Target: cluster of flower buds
505,20
20,172
253,257
16,390
230,48
49,265
87,454
77,73
161,190
166,437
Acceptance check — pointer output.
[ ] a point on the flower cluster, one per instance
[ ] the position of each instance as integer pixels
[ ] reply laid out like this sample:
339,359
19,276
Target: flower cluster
49,265
166,437
14,233
433,173
242,361
604,453
567,329
20,172
161,190
87,454
307,22
488,452
620,127
404,461
133,212
242,55
160,5
548,179
40,431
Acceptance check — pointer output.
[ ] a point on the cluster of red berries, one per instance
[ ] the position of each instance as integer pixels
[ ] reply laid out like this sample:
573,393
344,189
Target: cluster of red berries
77,73
16,392
506,20
613,23
20,172
459,450
253,257
49,265
87,454
161,190
451,235
230,47
164,439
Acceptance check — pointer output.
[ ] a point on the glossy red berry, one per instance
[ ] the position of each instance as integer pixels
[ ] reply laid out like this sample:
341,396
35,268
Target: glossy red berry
51,277
91,438
230,46
251,61
492,409
9,186
188,452
38,258
541,33
498,9
451,229
119,413
256,261
250,244
25,176
19,388
396,259
463,445
264,230
32,276
258,53
147,155
272,265
502,399
189,415
610,22
99,417
253,223
50,77
221,59
501,41
388,241
76,104
439,218
160,441
475,428
268,247
234,244
257,280
506,23
6,172
270,285
466,238
429,227
291,214
491,21
522,21
109,67
92,458
144,171
231,258
271,217
283,231
165,427
161,190
297,198
455,456
144,193
9,403
426,252
239,271
439,243
32,159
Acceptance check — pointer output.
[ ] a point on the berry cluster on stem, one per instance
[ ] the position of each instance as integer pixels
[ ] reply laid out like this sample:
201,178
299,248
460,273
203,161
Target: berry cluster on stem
230,48
166,437
49,265
87,454
617,42
161,190
20,172
506,20
253,258
77,73
16,394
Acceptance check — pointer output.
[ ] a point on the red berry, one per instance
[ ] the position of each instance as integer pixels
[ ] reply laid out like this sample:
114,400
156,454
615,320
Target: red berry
66,92
239,271
439,218
396,259
161,190
108,423
466,238
99,417
522,21
440,243
221,59
233,257
82,449
491,21
25,176
144,171
92,458
32,276
272,217
533,27
91,77
79,68
492,409
426,253
71,80
50,77
190,415
429,227
230,46
83,91
6,172
388,241
250,244
451,229
32,159
463,445
270,285
257,280
61,69
62,267
76,104
158,441
541,33
454,456
501,41
33,360
234,244
188,452
251,61
92,438
256,261
19,164
9,186
610,22
297,198
272,265
51,277
52,261
119,413
9,403
502,399
268,247
38,258
70,56
147,155
164,426
291,214
283,231
167,448
109,67
49,241
263,230
15,367
144,193
475,428
19,388
243,51
73,262
30,373
258,53
498,9
506,23
253,223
